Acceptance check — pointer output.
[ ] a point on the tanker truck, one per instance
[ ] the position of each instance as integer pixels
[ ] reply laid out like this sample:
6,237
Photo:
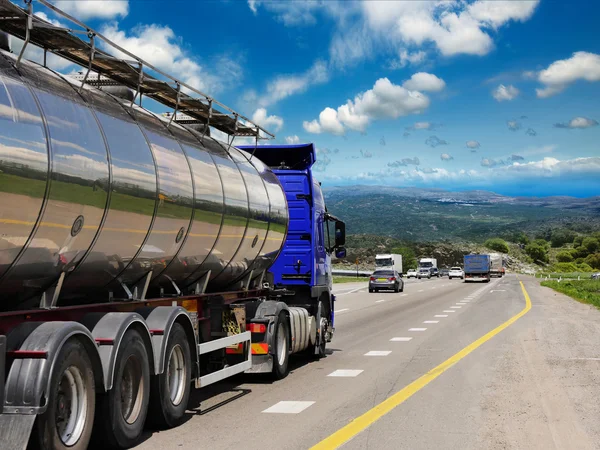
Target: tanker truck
140,257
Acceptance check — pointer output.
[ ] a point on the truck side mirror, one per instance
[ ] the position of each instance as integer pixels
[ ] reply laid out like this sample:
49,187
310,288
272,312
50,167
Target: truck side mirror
340,253
340,233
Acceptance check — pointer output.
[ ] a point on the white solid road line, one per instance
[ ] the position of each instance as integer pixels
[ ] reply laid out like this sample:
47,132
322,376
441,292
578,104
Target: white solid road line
400,339
351,292
417,329
441,315
342,310
378,353
288,407
345,373
431,321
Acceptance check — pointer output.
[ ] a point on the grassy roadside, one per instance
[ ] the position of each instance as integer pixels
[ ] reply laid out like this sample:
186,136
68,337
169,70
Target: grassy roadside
585,291
349,279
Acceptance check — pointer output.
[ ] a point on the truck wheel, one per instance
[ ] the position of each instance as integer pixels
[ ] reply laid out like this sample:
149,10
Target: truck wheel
281,357
123,409
170,391
69,417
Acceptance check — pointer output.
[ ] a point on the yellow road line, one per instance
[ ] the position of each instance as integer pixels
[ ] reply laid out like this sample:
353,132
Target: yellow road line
361,423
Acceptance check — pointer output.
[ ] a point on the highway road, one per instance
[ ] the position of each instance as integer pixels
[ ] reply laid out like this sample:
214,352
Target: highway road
444,365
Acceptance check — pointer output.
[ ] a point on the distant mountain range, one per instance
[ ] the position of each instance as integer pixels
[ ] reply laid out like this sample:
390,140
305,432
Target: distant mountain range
418,214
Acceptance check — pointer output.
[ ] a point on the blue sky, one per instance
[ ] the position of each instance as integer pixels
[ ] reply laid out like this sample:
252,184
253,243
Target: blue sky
498,95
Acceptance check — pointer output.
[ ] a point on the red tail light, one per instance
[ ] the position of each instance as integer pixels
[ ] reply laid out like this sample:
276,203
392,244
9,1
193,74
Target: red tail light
256,327
392,278
373,278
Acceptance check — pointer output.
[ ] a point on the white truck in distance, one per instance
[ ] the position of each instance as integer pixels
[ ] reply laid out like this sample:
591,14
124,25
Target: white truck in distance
428,262
496,266
389,261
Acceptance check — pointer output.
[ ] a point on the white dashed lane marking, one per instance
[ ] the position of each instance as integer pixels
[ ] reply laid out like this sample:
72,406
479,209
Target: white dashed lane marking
345,373
400,339
378,353
431,321
441,315
379,301
342,310
417,329
449,310
288,407
456,307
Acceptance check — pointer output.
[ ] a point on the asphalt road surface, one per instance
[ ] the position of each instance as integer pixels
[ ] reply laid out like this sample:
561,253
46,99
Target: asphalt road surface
443,365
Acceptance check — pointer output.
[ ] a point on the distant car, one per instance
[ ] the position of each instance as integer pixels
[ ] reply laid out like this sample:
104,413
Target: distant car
444,272
411,273
456,272
386,280
435,272
424,272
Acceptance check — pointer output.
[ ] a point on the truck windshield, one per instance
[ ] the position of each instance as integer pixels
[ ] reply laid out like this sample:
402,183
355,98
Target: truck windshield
384,262
426,264
383,273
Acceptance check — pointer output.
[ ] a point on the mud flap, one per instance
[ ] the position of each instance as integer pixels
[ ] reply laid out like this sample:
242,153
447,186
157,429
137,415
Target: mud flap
15,430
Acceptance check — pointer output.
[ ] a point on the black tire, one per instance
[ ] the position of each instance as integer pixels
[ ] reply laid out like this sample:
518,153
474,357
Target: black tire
73,359
281,357
402,288
370,291
114,430
165,411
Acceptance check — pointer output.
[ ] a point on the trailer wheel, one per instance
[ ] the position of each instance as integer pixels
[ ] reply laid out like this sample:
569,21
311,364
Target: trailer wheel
123,409
170,391
281,357
69,417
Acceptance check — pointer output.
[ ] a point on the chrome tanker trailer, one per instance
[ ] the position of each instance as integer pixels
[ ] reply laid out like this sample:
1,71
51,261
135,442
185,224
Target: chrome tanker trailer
138,255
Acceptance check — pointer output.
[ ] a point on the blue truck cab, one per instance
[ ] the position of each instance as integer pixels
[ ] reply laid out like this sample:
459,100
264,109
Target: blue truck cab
304,264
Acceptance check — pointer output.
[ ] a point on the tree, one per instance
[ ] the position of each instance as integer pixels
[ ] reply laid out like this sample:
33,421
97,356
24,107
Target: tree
497,244
577,241
592,245
542,243
537,252
564,257
593,260
562,237
409,259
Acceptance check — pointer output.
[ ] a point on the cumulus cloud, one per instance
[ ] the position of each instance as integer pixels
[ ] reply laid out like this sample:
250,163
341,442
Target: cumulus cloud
384,101
292,139
284,86
560,74
505,93
514,157
421,126
260,117
488,162
92,9
513,125
446,157
423,81
473,145
531,132
577,122
161,47
406,58
404,162
434,141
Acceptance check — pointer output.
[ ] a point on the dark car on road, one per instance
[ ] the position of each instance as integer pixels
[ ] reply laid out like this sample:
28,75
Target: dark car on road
435,272
386,280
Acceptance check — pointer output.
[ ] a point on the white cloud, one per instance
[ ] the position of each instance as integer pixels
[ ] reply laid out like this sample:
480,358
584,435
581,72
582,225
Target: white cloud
161,47
446,157
328,123
423,81
252,4
406,58
561,73
498,12
578,122
92,9
283,86
260,117
292,139
473,144
384,101
502,93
